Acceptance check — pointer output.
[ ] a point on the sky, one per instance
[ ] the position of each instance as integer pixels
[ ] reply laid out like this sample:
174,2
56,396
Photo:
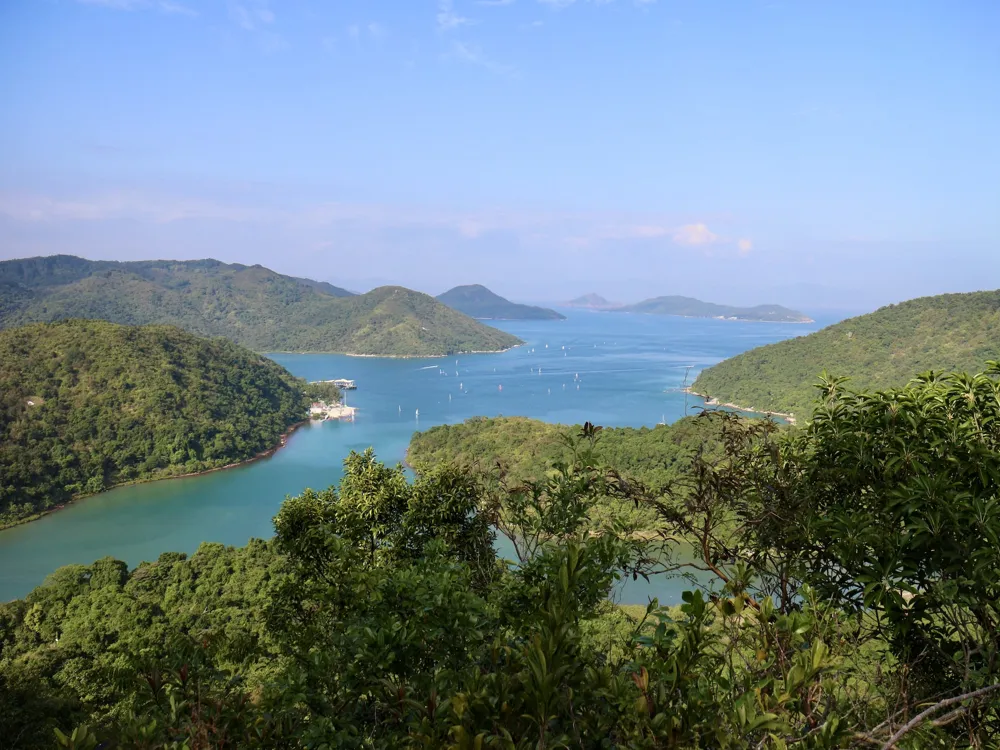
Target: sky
834,154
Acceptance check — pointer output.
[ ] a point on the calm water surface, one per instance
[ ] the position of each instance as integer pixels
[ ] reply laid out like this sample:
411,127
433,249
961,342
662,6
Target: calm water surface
630,370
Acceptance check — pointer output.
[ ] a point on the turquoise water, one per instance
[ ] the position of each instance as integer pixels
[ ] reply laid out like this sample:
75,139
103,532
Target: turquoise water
630,369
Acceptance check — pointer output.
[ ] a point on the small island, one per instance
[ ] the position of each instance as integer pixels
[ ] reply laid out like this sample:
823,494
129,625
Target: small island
592,301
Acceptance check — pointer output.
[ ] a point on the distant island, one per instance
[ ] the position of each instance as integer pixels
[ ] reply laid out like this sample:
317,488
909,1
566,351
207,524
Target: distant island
86,405
250,305
883,349
477,301
593,302
689,307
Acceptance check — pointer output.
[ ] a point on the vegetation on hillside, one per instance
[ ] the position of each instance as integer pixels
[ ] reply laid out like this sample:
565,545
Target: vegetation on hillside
854,604
883,349
694,308
86,405
528,449
477,301
250,305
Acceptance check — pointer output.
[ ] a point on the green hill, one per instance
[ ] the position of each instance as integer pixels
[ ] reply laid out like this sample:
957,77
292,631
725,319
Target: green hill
694,308
250,305
477,301
86,405
879,350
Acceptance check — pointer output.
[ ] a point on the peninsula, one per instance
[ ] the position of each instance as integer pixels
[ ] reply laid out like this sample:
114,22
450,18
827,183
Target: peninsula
87,405
249,305
883,349
477,301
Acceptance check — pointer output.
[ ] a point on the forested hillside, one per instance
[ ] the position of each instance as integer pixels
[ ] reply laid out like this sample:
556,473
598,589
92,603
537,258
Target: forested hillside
477,301
528,448
86,405
250,305
853,583
879,350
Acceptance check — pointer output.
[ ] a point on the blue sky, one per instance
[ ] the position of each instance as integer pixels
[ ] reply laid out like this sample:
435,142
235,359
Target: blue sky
820,154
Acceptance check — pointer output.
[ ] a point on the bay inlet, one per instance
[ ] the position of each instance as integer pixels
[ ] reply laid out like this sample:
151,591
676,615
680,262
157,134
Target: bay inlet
609,369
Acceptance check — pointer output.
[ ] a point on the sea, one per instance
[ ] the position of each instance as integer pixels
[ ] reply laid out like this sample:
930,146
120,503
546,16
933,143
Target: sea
611,369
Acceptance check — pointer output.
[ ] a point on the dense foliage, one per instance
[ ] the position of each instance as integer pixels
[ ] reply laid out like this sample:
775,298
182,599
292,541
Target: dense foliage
952,332
250,305
86,405
695,308
529,449
854,604
477,301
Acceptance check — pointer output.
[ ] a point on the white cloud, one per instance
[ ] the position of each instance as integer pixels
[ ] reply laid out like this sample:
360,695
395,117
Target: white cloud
579,231
494,2
376,30
744,246
694,234
448,19
473,55
164,6
251,14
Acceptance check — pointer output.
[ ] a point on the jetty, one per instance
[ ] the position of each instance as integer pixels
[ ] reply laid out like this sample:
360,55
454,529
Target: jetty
342,383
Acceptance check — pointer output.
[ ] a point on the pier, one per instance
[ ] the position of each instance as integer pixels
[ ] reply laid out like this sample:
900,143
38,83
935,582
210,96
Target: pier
342,383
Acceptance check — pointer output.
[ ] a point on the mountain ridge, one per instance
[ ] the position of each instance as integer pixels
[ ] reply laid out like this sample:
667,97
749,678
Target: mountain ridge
250,305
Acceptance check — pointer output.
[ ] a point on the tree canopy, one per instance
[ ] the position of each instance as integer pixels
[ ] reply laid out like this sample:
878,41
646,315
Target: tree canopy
853,603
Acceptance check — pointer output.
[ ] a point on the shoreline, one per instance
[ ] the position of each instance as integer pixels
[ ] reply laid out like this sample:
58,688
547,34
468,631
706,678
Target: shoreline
402,356
282,441
790,418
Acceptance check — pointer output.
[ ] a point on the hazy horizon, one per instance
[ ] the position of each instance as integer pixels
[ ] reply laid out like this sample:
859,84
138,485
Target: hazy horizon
821,157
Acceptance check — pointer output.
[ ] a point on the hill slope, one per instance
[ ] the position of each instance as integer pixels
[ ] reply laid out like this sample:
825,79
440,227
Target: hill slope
694,308
250,305
878,350
85,405
477,301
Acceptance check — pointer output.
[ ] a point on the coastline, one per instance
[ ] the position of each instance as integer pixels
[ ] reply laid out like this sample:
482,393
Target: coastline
403,356
790,418
282,441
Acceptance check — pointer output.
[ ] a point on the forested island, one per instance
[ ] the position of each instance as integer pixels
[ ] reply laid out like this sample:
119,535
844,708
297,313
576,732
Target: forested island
694,308
477,301
250,305
852,602
879,350
87,405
